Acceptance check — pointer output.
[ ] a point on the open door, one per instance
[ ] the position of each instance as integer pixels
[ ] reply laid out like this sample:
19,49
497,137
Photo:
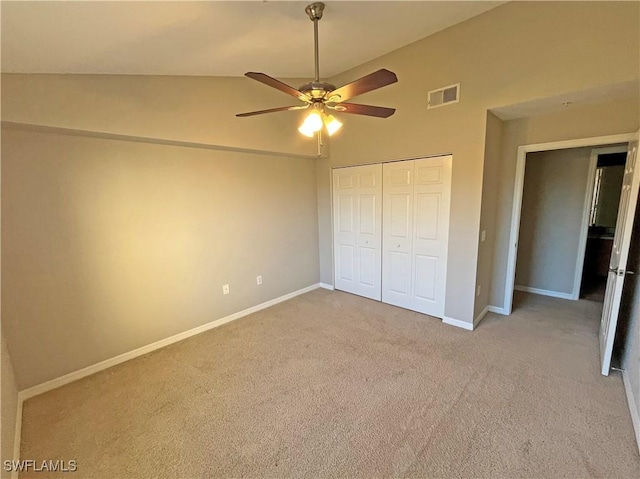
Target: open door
619,254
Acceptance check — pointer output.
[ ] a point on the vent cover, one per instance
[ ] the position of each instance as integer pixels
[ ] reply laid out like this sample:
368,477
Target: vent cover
443,96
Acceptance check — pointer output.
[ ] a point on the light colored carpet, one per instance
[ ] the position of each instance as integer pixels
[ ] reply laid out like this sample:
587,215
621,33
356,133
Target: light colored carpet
333,385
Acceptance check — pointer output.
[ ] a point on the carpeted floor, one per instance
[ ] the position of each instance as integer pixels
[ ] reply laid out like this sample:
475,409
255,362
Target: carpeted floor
333,385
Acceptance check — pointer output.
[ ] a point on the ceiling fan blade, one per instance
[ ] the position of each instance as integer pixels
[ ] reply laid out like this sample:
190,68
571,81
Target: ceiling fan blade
278,85
369,110
273,110
373,81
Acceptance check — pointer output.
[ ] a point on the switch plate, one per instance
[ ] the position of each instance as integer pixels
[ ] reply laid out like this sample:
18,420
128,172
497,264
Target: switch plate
483,235
478,290
225,289
259,279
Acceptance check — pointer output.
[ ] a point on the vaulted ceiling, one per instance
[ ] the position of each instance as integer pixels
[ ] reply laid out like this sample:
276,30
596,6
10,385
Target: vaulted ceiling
213,38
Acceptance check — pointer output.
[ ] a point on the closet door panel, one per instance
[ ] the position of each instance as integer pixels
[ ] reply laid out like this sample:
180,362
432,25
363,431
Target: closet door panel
399,274
427,214
369,236
346,261
397,233
425,279
344,229
367,267
431,230
357,198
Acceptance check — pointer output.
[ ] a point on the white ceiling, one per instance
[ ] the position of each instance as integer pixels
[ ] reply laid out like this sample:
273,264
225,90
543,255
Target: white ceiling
213,38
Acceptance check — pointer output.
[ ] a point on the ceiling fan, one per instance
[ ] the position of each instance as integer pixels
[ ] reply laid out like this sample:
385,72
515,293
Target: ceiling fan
320,96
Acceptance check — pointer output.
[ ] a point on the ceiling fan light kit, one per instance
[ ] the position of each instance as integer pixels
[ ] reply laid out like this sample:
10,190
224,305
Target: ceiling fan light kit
311,124
321,96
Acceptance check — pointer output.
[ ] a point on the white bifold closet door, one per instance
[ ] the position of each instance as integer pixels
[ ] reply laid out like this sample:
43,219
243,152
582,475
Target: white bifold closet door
415,228
357,223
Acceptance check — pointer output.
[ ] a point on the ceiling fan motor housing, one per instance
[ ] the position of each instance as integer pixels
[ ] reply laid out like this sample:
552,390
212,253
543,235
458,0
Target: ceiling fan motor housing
317,90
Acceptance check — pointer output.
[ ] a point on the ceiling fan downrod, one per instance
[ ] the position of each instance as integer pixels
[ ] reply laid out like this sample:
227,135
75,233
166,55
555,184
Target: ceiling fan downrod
317,95
315,11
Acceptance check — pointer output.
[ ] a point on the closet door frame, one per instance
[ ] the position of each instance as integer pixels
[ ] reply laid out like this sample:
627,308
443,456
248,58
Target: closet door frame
447,160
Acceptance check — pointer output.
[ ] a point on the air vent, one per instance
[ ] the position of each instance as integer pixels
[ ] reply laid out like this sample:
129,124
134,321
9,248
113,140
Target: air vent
444,96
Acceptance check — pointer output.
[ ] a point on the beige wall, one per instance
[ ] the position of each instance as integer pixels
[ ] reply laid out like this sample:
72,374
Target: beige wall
500,58
9,400
555,187
195,109
490,179
614,117
111,245
325,223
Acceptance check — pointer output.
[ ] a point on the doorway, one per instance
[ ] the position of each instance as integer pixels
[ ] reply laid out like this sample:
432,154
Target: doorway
603,213
621,241
568,218
578,256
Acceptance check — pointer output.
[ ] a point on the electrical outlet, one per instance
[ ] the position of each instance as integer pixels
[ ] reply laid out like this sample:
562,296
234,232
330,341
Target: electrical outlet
483,235
225,289
259,279
478,290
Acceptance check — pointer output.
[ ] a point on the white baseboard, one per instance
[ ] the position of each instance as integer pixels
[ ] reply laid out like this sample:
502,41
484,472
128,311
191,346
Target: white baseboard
480,317
633,407
327,286
457,323
497,310
107,363
544,292
17,435
476,321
